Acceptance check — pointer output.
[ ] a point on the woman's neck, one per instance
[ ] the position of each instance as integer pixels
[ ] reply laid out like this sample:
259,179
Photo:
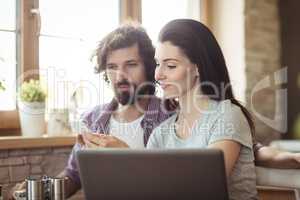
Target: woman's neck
192,104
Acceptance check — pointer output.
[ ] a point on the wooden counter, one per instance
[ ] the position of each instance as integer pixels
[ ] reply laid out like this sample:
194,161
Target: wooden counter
19,142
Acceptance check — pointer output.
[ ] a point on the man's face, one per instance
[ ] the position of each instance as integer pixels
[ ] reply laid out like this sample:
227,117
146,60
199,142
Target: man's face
126,73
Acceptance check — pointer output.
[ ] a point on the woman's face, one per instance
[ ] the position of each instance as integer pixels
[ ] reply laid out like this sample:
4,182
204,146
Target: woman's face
175,73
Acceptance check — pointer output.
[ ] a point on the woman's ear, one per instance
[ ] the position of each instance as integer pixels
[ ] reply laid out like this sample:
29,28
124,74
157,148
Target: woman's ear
196,71
197,79
197,74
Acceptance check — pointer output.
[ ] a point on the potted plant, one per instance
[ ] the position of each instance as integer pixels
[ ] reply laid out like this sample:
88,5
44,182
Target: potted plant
31,106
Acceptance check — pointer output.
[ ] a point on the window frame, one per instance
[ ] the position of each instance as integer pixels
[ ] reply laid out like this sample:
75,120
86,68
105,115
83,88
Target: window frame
27,46
130,10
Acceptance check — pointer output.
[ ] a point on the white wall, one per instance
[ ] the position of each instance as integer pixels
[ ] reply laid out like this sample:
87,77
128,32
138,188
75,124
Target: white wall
227,23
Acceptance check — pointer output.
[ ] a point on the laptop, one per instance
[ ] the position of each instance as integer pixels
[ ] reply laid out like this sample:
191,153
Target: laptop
156,174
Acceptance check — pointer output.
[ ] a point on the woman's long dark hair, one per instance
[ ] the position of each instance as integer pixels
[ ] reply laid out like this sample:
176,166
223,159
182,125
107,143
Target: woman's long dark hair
200,46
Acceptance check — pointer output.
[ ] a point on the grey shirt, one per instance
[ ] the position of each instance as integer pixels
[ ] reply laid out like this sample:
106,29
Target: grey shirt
221,121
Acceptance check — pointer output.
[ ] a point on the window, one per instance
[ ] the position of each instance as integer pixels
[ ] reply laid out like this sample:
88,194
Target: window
156,15
54,36
69,34
8,54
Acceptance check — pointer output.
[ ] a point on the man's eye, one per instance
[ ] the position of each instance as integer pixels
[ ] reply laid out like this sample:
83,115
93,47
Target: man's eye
111,67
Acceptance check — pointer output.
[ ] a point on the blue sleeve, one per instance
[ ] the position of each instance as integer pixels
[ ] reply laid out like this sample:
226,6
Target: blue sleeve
72,171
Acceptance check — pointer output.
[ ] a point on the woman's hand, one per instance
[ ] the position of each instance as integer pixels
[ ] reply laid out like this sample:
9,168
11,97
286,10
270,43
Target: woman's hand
297,158
287,160
273,158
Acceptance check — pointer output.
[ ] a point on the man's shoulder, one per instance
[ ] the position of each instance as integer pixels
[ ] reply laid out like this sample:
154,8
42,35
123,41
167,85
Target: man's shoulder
92,114
158,110
96,110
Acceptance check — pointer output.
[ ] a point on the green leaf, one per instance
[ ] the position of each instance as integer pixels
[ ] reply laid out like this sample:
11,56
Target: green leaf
32,91
2,86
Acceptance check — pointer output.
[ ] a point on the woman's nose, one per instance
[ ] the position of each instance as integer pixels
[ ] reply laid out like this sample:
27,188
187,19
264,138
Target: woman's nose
159,73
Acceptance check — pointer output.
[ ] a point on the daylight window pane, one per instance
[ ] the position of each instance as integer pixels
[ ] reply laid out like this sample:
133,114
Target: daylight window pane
68,37
89,19
8,70
156,15
7,14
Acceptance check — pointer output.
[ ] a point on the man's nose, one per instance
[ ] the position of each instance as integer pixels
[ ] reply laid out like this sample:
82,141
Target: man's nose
121,74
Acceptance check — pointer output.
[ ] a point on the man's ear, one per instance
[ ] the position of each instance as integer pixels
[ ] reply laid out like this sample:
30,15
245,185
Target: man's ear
105,77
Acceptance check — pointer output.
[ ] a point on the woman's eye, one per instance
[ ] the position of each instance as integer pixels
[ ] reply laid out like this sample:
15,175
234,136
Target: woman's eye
132,64
171,66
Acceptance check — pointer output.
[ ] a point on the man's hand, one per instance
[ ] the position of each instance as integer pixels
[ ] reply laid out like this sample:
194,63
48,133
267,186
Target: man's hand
17,187
70,186
102,141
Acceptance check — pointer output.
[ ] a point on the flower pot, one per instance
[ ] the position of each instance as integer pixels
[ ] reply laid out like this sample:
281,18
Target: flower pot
32,118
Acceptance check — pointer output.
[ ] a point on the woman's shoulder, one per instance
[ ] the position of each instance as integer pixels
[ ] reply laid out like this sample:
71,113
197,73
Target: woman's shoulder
230,122
226,109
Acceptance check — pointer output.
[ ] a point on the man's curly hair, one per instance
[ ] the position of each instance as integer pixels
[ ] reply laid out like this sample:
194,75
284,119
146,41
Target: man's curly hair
123,37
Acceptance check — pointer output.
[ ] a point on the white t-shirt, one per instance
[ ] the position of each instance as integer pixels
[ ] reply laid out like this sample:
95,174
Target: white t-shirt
129,132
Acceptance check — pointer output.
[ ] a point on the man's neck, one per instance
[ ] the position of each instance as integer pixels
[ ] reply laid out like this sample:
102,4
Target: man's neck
129,113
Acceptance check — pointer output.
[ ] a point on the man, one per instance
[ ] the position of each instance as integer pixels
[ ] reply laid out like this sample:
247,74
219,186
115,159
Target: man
126,56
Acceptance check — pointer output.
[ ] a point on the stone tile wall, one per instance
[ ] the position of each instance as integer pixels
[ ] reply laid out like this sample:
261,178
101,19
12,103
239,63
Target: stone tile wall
16,165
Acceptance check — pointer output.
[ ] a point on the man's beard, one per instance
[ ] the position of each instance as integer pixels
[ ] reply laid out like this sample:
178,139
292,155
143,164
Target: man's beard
125,98
129,97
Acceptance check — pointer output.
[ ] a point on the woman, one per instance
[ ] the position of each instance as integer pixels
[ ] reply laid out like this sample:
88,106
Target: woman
191,68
